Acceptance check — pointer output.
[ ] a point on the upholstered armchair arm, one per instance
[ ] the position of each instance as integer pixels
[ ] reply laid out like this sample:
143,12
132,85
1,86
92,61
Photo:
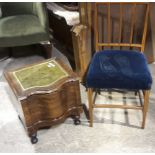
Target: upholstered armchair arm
41,13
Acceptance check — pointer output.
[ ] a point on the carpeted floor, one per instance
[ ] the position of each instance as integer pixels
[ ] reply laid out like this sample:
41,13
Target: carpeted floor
115,130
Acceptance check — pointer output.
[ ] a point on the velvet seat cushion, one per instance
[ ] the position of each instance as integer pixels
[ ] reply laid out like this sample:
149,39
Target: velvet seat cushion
119,69
21,30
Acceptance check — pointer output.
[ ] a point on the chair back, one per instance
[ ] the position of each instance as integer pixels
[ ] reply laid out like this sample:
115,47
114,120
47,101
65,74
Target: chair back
130,24
17,8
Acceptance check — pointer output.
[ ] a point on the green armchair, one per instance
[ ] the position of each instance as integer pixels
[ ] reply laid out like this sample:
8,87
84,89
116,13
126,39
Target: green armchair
24,24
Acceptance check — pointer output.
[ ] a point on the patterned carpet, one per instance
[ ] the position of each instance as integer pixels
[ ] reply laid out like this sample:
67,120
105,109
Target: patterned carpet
114,130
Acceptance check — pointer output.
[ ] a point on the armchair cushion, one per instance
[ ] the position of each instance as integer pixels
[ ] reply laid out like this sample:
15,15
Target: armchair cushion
21,30
119,69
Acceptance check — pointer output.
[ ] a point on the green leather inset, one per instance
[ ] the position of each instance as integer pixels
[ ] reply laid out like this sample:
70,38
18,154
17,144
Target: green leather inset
40,75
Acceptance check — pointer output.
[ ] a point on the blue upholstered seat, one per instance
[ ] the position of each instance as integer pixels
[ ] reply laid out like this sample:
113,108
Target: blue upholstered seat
119,69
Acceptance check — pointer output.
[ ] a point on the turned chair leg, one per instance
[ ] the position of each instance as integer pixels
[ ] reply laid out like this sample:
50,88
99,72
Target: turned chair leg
90,101
145,107
48,49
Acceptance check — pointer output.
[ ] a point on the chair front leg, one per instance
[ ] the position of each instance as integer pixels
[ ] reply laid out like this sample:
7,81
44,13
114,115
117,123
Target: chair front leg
90,101
145,106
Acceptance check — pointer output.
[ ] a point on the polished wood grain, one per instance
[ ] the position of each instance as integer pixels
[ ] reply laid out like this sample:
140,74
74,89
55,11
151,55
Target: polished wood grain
109,42
145,27
117,106
102,29
120,23
145,107
90,101
100,3
96,28
24,94
109,23
120,44
133,16
47,106
48,109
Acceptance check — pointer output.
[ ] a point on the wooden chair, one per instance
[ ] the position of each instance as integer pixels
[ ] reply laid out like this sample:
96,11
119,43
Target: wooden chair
120,69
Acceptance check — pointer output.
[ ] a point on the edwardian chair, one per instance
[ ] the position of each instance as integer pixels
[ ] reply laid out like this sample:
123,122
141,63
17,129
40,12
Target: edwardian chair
24,24
121,68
